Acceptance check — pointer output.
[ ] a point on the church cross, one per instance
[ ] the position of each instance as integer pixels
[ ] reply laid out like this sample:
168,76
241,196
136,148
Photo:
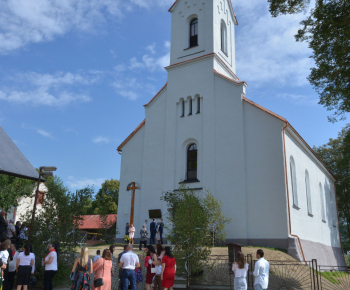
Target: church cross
132,186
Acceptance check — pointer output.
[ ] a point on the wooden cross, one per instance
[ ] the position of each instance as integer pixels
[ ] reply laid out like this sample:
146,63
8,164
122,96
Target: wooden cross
132,186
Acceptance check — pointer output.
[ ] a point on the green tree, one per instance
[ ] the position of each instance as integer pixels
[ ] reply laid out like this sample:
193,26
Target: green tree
12,188
327,31
106,200
336,155
57,222
189,218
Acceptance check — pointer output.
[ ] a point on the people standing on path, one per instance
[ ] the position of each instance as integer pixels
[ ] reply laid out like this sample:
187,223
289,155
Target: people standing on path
127,229
24,264
102,268
3,226
6,256
157,282
12,269
161,229
121,269
160,252
240,268
131,234
50,263
153,231
18,232
152,262
114,260
11,231
168,270
82,269
261,271
98,256
129,262
143,237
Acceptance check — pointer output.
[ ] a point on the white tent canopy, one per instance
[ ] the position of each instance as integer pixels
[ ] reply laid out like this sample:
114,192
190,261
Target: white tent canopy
12,160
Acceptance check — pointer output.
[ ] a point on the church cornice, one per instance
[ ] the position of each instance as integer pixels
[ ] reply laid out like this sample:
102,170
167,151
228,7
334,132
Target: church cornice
231,80
156,95
202,58
231,7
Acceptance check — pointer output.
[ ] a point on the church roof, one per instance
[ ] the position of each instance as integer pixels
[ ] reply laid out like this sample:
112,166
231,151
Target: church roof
293,129
233,12
119,149
93,222
12,160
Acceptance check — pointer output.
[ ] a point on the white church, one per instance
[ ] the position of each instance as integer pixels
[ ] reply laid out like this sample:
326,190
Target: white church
201,130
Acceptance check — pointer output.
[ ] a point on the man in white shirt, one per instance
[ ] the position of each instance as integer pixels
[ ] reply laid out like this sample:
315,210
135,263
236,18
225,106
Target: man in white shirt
261,271
128,262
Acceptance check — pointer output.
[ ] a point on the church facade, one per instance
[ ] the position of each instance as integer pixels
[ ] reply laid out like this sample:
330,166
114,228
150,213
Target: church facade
201,130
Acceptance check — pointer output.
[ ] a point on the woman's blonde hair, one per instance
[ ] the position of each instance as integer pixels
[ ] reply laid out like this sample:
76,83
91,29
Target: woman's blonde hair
84,256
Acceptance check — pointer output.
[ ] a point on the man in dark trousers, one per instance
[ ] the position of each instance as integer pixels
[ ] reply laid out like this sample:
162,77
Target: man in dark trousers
161,227
3,225
153,231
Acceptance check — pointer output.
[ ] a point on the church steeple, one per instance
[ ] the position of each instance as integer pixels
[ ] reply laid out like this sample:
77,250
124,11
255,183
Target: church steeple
202,27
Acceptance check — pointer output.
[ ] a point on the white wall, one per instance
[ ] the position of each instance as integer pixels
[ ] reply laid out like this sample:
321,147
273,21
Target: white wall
307,227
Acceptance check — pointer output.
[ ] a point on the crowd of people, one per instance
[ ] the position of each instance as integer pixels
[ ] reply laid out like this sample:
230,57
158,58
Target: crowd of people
155,228
18,233
20,262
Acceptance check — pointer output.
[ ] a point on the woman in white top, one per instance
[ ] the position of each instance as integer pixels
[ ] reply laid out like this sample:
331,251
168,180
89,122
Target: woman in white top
12,267
4,257
25,261
131,234
50,263
241,269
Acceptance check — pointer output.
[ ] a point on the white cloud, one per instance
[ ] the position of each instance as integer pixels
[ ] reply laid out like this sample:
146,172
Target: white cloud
151,48
46,89
23,22
101,139
75,183
301,100
44,133
266,47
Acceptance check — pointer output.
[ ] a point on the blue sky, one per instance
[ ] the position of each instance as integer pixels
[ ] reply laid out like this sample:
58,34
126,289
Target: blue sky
75,74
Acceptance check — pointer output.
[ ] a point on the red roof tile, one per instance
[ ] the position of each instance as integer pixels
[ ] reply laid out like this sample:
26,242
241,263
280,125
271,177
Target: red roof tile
92,222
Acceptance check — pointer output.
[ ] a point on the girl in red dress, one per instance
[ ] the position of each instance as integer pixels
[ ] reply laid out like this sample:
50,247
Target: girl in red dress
168,270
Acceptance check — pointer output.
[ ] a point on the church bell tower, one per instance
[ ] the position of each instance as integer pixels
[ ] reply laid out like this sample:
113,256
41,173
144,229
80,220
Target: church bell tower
204,27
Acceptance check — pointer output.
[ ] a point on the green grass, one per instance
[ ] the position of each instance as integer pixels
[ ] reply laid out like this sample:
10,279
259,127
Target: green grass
333,277
273,249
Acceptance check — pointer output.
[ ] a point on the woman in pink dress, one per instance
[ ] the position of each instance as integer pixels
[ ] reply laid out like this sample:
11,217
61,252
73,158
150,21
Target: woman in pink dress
103,268
168,270
131,234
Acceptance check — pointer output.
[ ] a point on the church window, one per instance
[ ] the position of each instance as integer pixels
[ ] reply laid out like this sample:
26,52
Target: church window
190,106
308,193
194,32
323,212
198,105
182,108
223,37
293,179
192,162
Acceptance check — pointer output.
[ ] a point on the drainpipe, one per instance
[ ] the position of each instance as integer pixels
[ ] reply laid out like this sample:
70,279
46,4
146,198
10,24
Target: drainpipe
336,203
285,169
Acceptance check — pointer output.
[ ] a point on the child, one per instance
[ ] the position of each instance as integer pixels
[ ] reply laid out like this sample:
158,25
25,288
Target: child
157,282
139,278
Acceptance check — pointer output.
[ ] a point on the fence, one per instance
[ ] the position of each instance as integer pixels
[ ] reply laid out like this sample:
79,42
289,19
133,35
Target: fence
334,278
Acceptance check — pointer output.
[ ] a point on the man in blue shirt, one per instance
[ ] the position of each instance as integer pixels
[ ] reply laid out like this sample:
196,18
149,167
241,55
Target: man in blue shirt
261,271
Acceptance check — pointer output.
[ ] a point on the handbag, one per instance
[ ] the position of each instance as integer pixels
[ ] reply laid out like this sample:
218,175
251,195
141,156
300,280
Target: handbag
99,282
153,270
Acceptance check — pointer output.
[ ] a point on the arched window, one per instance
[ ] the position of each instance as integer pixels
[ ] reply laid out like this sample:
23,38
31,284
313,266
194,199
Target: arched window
194,32
192,162
293,180
223,37
323,212
182,108
190,106
198,105
308,193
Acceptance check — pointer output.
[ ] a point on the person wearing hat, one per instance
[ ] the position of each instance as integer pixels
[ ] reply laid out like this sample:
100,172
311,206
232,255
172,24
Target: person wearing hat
3,225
